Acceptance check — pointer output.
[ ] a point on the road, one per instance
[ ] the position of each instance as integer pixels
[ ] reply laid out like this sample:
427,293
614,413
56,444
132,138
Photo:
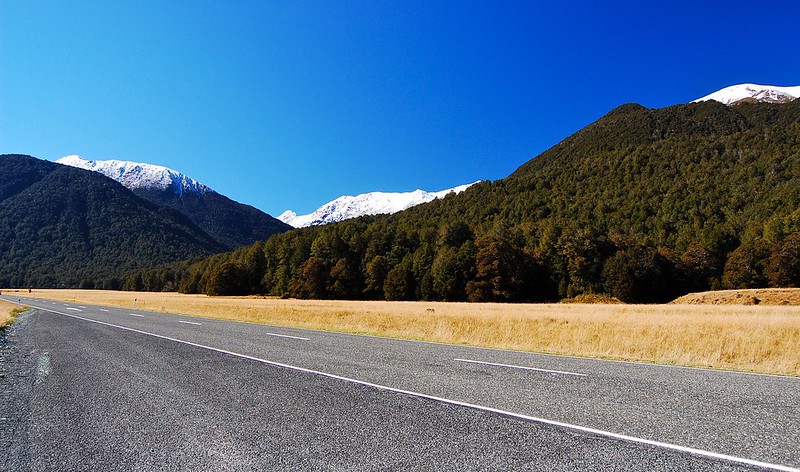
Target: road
99,388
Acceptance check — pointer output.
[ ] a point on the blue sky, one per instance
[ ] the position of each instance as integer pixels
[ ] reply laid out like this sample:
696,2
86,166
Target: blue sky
291,104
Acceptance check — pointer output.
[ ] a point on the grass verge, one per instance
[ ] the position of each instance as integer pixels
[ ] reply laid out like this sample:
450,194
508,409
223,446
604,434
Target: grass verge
8,312
763,339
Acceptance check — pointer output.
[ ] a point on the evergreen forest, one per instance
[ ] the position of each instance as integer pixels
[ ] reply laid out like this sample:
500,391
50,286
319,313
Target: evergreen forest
643,205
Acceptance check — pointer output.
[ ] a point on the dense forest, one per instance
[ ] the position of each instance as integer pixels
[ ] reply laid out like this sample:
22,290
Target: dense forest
643,205
230,223
67,227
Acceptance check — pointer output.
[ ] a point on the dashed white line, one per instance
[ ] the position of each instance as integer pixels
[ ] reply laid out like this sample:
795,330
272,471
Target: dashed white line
190,322
136,314
73,309
584,429
285,336
521,367
103,309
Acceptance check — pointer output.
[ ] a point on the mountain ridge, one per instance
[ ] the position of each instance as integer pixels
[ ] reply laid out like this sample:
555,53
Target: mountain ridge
366,204
232,223
753,92
66,227
139,175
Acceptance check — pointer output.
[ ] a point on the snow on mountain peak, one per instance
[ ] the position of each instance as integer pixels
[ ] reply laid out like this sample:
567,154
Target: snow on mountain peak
373,203
137,175
753,92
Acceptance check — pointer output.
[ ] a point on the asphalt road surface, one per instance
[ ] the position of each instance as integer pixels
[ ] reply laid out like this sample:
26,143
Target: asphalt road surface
99,388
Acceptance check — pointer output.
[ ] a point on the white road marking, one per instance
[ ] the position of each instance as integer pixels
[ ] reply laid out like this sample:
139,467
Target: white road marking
521,367
80,306
584,429
285,336
136,314
73,309
103,309
190,322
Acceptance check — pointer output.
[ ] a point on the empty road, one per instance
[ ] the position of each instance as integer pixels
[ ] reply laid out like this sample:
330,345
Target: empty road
100,388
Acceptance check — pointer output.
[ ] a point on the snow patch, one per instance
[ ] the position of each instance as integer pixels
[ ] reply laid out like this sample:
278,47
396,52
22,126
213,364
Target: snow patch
760,93
373,203
138,175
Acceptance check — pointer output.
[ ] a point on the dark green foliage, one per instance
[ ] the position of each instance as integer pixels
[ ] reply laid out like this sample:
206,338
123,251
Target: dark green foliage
226,279
645,204
746,266
638,274
784,264
66,227
231,223
501,269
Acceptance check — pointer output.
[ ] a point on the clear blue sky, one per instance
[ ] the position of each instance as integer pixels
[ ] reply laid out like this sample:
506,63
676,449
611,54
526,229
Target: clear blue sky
289,104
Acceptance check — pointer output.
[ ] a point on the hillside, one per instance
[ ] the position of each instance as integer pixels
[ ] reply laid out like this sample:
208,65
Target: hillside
66,227
231,223
643,204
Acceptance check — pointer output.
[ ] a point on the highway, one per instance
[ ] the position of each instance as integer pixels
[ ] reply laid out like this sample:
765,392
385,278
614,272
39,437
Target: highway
100,388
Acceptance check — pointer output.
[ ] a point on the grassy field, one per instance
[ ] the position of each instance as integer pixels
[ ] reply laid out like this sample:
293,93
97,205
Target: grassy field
748,338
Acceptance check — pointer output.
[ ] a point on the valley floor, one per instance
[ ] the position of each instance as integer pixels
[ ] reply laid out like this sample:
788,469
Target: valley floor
757,338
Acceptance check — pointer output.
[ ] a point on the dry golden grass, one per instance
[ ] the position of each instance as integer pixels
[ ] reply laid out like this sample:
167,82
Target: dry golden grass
749,338
7,312
756,296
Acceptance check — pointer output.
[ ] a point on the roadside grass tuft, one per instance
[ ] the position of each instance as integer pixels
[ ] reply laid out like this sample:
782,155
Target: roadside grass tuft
8,313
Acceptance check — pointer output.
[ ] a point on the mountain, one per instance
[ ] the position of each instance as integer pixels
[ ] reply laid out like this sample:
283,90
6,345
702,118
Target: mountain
231,223
643,204
67,227
137,175
753,93
373,203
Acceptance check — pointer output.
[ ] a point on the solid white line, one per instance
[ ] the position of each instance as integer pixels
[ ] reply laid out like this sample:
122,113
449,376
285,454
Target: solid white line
136,314
190,322
521,367
598,432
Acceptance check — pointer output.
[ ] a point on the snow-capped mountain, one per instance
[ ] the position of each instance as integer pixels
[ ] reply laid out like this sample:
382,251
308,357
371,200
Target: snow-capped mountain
230,223
373,203
753,92
137,175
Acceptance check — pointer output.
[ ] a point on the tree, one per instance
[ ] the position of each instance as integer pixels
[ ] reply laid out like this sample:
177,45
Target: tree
376,271
343,282
636,275
784,263
227,279
746,266
501,269
399,284
310,283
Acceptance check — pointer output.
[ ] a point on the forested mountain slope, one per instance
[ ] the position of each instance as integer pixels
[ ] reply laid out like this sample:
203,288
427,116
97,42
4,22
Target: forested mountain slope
643,204
231,223
66,227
